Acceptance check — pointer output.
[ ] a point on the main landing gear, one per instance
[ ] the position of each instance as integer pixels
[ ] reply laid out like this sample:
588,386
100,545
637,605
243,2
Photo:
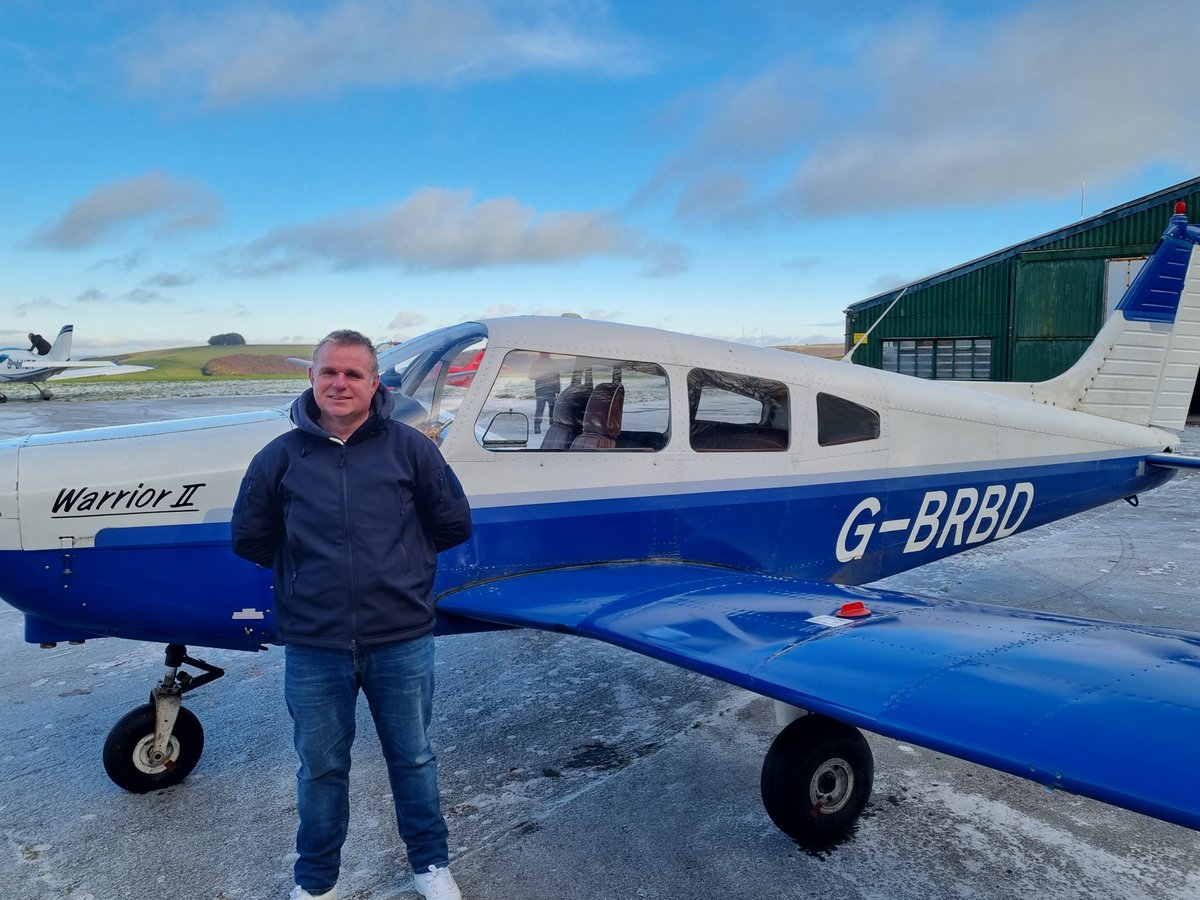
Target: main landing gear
157,745
816,780
46,395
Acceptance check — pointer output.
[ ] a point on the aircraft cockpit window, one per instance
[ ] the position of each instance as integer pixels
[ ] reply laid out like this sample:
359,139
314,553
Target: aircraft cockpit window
558,401
430,375
841,421
730,412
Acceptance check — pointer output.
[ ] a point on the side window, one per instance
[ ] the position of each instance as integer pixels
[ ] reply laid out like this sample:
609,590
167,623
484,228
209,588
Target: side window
842,421
555,401
730,412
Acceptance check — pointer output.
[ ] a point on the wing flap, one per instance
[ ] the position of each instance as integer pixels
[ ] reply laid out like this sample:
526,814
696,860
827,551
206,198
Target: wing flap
1084,705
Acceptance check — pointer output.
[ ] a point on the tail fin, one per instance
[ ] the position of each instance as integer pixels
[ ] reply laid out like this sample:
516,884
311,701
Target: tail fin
61,348
1142,366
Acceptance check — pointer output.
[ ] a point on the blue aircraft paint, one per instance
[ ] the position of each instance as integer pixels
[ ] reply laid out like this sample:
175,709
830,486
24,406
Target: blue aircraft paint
1154,294
1012,689
190,588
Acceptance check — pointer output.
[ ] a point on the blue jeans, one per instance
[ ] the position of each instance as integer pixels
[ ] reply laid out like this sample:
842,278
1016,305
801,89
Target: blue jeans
321,688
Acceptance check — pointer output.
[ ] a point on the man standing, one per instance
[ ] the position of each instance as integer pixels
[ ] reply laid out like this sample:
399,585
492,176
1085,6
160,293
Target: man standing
350,509
546,386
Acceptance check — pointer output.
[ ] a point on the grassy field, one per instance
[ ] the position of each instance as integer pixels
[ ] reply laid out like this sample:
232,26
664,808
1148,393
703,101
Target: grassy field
187,363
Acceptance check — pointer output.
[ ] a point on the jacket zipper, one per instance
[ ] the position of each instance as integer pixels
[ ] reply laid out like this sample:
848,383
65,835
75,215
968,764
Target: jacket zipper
351,578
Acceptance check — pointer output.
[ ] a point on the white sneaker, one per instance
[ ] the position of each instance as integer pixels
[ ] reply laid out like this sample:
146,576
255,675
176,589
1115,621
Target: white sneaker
299,893
437,884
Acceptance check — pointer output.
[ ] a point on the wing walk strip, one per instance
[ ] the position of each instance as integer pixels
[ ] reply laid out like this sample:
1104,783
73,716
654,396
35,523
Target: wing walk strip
1102,709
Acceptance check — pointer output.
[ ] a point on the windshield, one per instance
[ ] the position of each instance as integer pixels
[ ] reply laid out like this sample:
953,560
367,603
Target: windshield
429,375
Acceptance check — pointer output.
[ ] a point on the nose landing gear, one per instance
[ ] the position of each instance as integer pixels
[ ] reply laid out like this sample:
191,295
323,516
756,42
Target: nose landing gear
158,744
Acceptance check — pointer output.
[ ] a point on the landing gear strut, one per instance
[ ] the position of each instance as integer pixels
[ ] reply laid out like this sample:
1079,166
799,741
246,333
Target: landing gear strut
158,744
817,779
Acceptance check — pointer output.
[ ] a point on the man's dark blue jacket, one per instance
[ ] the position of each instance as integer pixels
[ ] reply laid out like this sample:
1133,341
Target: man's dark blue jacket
352,530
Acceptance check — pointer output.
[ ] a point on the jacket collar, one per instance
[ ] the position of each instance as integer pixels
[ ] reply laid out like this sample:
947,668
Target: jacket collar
305,414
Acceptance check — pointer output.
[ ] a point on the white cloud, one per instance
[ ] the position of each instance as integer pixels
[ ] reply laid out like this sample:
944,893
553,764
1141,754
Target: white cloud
1026,108
406,319
39,307
169,280
496,311
144,296
927,112
233,55
155,197
439,229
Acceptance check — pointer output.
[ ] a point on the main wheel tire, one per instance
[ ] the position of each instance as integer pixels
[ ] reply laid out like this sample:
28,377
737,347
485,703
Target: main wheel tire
127,751
816,780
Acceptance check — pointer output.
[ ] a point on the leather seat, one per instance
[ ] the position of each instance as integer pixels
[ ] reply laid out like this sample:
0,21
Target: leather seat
567,421
602,418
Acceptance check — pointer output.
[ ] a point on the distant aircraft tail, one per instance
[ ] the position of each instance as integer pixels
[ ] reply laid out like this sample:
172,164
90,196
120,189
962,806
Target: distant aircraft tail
1142,366
61,348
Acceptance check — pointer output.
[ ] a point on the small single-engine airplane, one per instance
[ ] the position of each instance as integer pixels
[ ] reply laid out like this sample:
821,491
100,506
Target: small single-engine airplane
713,505
19,364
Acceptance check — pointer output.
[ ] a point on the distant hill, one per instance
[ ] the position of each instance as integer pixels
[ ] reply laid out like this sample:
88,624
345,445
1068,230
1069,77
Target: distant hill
242,361
828,351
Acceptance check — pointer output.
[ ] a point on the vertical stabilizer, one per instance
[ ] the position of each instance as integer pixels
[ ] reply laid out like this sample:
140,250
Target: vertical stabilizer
1142,366
61,348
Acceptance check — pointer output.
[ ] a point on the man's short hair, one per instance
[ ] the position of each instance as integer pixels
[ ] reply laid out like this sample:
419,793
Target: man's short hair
348,337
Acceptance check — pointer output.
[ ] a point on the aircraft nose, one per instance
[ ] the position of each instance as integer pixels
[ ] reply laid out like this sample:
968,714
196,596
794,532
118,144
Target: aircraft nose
10,526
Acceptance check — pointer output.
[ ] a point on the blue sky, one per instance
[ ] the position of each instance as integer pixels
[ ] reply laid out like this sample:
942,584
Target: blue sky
174,170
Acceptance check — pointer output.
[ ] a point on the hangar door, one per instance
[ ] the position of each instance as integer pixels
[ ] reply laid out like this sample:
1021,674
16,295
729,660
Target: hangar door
1057,308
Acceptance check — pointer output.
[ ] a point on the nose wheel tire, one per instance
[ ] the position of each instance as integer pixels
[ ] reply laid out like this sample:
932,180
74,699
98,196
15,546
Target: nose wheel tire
816,780
129,756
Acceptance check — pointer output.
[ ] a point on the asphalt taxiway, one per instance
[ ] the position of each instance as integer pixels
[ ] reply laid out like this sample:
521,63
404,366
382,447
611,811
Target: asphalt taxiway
575,771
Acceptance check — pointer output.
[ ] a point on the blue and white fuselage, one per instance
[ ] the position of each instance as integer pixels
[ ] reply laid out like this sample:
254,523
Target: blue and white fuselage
124,530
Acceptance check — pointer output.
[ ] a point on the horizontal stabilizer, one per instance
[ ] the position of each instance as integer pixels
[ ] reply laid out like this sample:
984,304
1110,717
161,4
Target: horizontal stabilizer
1173,461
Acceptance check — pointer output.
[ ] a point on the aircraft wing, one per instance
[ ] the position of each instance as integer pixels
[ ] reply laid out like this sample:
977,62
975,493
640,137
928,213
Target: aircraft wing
40,363
1102,709
92,369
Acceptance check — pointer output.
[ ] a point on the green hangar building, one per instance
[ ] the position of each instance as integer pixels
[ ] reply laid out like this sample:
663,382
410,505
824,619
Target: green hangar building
1024,313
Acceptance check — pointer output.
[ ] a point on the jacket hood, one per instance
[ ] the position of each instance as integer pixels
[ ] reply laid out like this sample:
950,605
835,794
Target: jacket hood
305,413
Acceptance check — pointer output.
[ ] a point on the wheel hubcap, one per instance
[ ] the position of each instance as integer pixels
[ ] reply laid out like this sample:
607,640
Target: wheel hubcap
152,763
831,786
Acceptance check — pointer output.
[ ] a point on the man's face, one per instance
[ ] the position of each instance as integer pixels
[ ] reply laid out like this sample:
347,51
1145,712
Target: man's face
342,381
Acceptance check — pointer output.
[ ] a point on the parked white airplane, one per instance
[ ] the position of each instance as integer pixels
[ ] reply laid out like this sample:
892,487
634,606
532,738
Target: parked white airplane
709,504
20,365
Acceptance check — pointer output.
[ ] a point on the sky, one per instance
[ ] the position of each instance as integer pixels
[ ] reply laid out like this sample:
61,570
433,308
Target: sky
173,170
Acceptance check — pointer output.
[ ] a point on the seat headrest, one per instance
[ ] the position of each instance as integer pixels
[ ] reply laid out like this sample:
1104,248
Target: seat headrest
568,408
604,409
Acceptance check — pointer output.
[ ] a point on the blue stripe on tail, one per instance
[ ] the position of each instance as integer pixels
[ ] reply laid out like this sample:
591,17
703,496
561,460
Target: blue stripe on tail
1155,292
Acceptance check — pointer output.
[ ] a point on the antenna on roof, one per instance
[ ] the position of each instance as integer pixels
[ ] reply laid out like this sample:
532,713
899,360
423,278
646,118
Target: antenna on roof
863,339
